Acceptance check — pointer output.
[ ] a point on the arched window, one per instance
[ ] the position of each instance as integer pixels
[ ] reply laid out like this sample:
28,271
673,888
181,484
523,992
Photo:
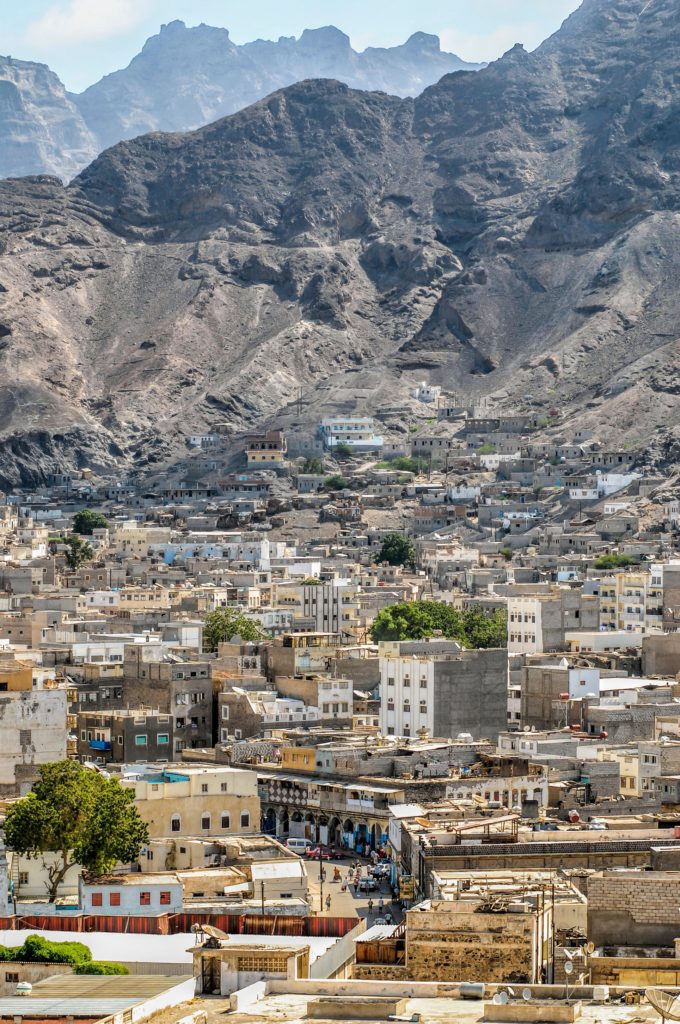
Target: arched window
205,822
245,819
175,823
225,820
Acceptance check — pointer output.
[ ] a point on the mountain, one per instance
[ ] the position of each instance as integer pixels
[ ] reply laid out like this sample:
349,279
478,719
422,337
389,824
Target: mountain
188,77
511,233
185,78
40,127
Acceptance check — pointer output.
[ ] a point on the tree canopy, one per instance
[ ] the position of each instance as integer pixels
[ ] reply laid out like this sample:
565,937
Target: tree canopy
81,816
78,551
335,483
397,550
87,521
224,623
615,561
418,620
36,949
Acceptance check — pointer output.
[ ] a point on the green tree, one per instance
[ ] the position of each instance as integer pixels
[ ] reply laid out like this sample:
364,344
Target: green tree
79,815
335,483
313,466
418,620
397,550
615,561
342,451
506,552
38,950
405,464
87,521
78,551
224,623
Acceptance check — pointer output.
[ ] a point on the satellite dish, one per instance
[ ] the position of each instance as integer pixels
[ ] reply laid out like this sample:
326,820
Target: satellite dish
568,967
667,1004
526,995
503,998
589,948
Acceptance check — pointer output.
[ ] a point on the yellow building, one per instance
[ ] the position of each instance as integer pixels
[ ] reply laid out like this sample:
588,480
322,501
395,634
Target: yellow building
185,800
15,676
298,759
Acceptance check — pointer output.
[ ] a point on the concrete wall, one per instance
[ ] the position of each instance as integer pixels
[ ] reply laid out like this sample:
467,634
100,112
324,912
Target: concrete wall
661,654
28,972
470,694
33,730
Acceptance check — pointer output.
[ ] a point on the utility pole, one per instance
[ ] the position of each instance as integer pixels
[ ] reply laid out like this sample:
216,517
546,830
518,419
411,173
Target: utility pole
262,896
321,874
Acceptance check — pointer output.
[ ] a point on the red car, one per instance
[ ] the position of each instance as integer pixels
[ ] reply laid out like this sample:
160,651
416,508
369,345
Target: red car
319,852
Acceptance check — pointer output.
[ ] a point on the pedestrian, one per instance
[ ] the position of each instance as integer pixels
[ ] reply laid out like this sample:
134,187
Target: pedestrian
370,906
381,906
328,903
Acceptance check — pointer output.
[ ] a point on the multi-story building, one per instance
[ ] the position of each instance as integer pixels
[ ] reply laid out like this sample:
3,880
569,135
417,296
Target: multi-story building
437,686
124,736
243,714
356,432
633,601
174,685
539,622
268,449
188,800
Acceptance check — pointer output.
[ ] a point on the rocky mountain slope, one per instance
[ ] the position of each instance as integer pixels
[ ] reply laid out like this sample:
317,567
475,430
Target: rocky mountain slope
185,78
41,129
188,77
510,233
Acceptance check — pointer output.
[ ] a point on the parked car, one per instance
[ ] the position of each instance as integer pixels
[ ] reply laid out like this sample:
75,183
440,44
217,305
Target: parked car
381,871
367,885
319,852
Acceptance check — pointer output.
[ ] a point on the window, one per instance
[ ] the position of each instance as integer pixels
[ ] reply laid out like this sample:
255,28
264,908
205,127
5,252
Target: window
120,741
165,899
145,899
114,899
224,787
23,878
225,821
204,787
245,819
225,711
12,977
175,823
205,822
140,741
163,739
97,899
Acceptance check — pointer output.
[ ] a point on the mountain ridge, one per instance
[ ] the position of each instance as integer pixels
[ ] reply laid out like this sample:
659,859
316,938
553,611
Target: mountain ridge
182,79
511,233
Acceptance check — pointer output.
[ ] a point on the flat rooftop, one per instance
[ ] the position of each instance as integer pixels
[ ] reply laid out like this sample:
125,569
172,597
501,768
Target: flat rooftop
72,995
436,1010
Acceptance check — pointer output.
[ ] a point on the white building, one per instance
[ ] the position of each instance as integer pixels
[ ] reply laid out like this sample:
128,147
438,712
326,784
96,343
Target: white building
357,432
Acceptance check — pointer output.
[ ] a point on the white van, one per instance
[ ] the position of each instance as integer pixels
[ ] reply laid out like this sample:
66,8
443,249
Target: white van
299,846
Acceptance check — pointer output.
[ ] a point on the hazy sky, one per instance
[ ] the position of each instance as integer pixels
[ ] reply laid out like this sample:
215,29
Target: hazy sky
85,39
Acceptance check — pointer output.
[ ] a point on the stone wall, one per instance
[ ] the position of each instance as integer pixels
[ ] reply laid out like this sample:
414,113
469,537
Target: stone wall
460,944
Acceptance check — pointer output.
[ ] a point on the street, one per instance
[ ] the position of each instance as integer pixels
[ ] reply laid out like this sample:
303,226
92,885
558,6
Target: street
350,903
